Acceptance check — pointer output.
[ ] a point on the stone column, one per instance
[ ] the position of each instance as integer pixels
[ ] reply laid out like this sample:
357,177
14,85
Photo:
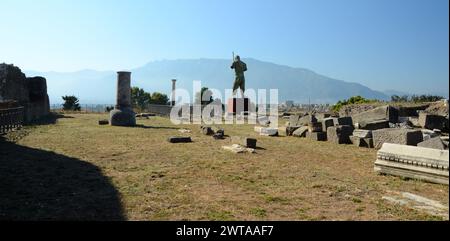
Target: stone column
174,81
123,114
123,90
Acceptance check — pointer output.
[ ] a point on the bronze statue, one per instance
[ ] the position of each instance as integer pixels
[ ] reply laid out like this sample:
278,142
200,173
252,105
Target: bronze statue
239,68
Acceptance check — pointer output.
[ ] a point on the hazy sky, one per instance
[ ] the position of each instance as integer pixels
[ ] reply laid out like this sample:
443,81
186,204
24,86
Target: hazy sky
384,44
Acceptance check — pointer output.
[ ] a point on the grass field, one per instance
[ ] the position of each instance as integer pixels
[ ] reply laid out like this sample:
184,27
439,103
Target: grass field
76,169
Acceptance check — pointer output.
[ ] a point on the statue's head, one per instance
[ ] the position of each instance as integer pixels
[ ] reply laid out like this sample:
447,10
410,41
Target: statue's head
237,58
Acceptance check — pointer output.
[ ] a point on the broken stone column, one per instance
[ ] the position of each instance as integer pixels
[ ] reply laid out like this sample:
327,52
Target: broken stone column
174,82
413,162
123,114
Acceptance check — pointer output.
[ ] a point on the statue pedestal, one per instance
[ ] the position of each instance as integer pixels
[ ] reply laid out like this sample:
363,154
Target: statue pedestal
122,117
238,106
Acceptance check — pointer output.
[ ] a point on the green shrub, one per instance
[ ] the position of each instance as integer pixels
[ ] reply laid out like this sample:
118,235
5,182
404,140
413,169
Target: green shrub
352,100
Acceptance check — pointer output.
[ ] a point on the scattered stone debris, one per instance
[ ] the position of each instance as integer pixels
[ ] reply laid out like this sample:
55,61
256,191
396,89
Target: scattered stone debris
435,143
321,116
414,120
301,132
344,121
266,131
362,133
291,129
244,141
396,136
184,131
387,113
413,162
219,135
145,115
316,136
315,127
428,134
431,122
235,148
362,141
418,203
340,134
206,130
103,122
179,139
327,122
373,125
264,120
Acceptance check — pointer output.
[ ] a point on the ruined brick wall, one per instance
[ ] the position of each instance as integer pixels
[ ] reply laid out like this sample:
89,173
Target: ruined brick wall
31,93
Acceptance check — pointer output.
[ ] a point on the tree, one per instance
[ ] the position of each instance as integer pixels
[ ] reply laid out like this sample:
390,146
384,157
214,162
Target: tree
204,97
395,98
159,99
71,103
139,98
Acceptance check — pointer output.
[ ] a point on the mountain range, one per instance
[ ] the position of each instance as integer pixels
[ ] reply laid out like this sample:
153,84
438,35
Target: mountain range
297,84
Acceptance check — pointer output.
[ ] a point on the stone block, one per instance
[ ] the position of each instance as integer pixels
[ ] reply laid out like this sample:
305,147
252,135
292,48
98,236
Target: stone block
315,127
305,120
316,136
340,134
344,121
179,139
244,141
327,122
267,131
103,122
362,133
396,136
434,143
386,112
235,148
432,121
206,130
414,120
321,116
293,120
413,162
362,142
290,130
301,132
374,125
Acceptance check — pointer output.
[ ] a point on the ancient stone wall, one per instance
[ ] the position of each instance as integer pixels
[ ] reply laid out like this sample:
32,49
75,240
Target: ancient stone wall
31,93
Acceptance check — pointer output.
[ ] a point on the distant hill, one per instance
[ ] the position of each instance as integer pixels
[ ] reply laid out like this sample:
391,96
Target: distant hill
296,84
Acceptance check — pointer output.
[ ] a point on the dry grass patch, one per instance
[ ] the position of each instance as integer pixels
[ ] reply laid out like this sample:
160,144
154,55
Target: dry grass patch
287,178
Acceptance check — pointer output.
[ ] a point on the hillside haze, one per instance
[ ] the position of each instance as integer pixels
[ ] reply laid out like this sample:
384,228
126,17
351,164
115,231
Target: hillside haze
298,84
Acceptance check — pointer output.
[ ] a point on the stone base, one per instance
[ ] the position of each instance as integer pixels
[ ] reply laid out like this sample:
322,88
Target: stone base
238,106
125,117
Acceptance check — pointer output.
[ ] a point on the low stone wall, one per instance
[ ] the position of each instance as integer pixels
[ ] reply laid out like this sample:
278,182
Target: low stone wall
163,110
11,119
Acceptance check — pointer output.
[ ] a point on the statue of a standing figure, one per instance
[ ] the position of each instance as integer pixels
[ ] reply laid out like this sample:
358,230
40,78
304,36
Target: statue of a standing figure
239,68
